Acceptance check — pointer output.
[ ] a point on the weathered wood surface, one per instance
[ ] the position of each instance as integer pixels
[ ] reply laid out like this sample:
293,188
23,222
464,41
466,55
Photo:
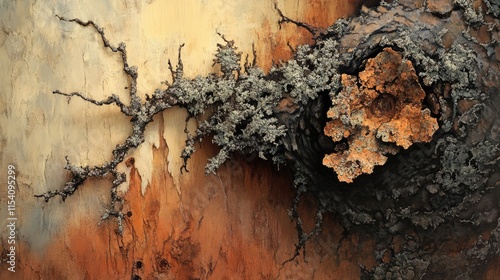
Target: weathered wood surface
234,225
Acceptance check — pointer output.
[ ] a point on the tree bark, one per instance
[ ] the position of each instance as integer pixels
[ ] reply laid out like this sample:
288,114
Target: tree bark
429,212
430,207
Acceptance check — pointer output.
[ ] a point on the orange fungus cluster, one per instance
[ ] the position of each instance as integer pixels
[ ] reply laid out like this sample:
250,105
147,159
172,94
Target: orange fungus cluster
376,112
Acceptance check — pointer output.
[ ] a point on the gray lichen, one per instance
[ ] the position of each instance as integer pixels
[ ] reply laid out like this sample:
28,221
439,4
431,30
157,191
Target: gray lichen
243,121
472,16
430,185
464,164
493,7
402,267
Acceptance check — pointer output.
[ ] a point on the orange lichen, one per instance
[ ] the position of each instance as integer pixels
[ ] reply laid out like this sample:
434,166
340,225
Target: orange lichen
377,111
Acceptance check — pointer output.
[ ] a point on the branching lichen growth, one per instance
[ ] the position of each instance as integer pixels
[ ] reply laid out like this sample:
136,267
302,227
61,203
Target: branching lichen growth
472,16
244,120
493,7
141,114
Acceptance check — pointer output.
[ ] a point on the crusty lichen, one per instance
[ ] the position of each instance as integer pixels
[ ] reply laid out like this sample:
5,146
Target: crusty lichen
398,268
472,16
244,120
493,7
379,108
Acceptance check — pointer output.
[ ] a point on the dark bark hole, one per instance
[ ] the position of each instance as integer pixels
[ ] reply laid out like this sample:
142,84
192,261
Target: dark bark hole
163,265
384,106
139,264
341,146
326,143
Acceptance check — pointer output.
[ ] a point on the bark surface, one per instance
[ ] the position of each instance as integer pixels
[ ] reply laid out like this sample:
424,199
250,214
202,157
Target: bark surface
432,208
429,212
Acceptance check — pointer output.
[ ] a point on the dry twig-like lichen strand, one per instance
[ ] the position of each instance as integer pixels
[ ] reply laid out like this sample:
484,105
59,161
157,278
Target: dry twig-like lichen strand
141,114
243,122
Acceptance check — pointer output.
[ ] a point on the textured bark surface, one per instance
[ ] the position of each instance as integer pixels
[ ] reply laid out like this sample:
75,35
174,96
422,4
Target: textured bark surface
432,208
226,226
430,212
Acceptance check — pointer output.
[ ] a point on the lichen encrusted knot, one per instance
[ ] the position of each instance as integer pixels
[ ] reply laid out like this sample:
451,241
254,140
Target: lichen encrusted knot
376,112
